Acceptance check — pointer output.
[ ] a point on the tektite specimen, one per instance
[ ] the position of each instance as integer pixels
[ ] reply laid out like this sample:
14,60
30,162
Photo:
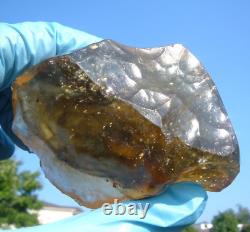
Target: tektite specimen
110,121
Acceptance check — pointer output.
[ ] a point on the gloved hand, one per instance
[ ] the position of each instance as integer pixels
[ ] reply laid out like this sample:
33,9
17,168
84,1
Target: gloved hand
22,46
26,44
179,205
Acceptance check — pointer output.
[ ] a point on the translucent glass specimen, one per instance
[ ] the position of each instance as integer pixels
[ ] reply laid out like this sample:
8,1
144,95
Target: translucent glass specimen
110,121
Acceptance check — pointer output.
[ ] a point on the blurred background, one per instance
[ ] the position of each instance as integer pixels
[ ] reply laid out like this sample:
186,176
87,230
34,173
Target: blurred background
217,32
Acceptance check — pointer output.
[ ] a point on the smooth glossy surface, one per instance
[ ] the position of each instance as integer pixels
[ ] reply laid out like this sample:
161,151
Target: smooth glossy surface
110,121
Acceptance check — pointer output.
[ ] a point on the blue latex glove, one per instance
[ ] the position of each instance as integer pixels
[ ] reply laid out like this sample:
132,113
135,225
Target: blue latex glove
26,44
22,46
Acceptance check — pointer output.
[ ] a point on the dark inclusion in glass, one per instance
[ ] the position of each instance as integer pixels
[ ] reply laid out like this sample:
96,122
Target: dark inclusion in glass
109,121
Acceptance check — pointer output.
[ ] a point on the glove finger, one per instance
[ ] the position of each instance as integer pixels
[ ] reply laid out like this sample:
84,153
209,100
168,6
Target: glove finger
6,118
180,205
26,44
6,146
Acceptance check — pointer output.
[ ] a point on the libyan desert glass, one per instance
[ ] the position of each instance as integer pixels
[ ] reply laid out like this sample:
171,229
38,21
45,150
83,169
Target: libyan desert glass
110,121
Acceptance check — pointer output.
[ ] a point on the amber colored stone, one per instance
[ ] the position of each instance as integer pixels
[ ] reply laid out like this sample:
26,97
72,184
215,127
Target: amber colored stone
109,121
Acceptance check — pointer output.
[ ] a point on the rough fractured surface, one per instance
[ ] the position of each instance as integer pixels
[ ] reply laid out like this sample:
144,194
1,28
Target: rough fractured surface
110,121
